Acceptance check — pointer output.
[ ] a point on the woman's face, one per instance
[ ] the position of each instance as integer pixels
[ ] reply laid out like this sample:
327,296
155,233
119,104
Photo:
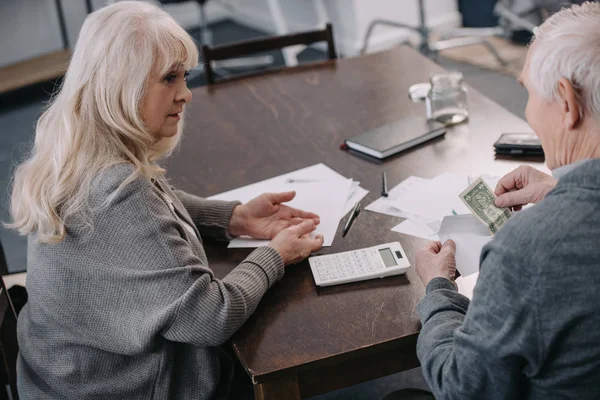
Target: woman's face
162,106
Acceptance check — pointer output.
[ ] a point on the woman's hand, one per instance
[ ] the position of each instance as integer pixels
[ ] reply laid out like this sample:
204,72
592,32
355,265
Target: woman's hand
264,216
522,186
436,261
295,244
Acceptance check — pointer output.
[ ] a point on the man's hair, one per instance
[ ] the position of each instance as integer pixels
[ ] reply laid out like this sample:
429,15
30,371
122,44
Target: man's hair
567,45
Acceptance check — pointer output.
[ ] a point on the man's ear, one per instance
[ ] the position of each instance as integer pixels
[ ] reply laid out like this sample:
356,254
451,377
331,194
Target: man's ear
570,104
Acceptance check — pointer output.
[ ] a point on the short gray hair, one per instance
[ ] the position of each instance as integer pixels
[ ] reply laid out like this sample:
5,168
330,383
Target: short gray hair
568,46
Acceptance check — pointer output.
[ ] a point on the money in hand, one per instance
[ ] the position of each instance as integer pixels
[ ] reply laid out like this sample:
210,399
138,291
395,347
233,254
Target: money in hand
480,199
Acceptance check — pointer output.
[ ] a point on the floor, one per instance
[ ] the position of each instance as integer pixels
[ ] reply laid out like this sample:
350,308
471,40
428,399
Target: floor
20,110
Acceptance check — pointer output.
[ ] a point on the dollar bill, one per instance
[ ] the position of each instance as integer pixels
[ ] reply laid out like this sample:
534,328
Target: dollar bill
479,198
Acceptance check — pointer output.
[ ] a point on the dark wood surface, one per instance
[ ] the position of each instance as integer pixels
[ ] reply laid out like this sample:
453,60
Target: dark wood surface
242,132
242,48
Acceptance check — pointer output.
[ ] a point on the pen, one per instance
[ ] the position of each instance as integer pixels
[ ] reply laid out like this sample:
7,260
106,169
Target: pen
454,212
384,189
353,215
295,180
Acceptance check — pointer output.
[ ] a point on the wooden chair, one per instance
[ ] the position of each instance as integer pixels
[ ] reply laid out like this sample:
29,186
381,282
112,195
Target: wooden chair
246,47
8,338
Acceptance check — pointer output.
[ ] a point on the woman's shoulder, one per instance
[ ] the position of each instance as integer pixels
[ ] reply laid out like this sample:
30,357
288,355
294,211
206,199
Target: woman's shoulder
117,181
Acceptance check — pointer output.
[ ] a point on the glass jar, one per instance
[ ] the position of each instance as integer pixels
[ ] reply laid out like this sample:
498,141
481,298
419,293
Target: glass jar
446,101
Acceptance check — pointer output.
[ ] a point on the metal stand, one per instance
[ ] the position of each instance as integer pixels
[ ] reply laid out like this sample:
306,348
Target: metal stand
453,39
220,67
290,54
62,24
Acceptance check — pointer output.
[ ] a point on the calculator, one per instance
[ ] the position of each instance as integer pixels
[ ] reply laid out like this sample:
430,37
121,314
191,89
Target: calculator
359,265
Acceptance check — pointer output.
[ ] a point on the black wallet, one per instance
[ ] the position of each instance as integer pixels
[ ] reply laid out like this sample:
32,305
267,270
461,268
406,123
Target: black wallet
519,144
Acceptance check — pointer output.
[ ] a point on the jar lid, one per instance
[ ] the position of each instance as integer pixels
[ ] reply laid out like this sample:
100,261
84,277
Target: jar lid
418,93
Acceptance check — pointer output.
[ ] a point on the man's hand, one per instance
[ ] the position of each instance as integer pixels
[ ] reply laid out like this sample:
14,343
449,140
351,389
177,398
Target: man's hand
436,261
522,186
264,216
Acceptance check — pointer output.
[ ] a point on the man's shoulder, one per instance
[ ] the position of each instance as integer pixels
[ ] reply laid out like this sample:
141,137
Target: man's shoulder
566,210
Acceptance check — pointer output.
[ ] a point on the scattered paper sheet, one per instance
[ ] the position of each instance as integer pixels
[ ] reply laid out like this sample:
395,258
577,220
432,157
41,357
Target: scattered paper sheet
383,205
436,198
356,195
413,228
466,284
424,202
319,189
470,236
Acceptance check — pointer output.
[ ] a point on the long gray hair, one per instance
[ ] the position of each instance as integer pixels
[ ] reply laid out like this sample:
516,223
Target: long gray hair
93,121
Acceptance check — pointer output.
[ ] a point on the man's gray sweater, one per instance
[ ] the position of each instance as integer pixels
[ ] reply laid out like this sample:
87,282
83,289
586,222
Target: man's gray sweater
132,309
532,330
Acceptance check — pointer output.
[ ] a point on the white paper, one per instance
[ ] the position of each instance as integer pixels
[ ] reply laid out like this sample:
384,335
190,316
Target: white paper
414,228
466,284
492,181
383,205
436,198
356,195
319,189
470,236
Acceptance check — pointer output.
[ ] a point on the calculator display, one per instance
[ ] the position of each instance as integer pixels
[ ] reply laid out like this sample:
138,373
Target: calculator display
388,257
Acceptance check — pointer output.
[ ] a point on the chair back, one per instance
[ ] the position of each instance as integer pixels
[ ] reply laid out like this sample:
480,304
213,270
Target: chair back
233,50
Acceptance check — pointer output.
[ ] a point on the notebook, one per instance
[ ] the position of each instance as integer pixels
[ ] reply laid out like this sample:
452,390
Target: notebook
395,137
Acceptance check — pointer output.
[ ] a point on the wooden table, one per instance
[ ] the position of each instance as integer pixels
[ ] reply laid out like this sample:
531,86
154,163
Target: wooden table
304,340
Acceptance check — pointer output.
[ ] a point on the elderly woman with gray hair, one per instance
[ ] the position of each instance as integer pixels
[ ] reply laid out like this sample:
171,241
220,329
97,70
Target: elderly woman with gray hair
532,330
122,301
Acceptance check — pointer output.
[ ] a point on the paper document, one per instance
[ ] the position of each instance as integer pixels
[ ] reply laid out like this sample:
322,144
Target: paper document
412,227
383,205
357,193
470,236
436,198
319,189
492,181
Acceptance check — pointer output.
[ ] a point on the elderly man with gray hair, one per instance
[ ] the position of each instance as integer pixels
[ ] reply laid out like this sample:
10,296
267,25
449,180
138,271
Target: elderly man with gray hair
532,330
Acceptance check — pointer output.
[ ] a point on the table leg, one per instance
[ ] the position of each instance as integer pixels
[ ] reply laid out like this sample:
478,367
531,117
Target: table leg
287,389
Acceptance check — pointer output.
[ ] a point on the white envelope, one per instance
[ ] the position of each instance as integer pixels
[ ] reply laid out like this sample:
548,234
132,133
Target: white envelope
470,236
466,284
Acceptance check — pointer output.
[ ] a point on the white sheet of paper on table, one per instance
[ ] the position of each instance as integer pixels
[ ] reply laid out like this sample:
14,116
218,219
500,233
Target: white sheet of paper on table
413,228
319,189
466,284
383,205
492,181
470,236
436,198
356,195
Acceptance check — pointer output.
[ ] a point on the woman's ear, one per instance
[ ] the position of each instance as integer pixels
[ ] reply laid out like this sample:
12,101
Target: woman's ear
570,104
